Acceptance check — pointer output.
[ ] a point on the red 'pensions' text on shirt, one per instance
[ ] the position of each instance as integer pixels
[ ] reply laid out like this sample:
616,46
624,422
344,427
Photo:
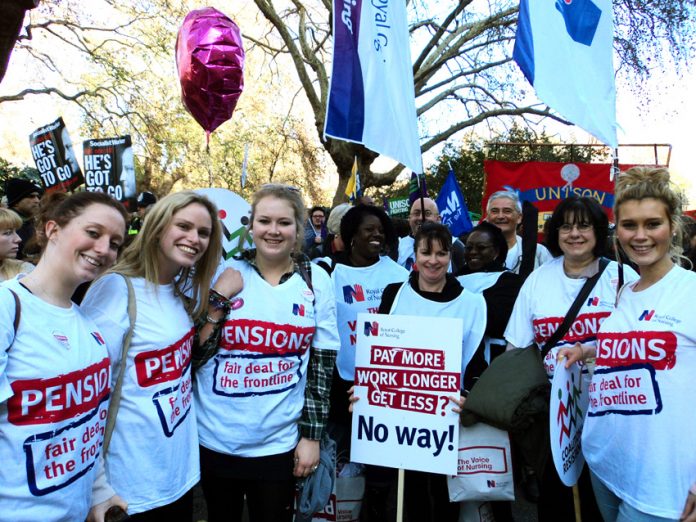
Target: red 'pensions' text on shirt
620,349
44,401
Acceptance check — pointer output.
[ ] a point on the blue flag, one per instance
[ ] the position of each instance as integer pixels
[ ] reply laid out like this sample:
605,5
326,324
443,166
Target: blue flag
372,97
452,206
565,50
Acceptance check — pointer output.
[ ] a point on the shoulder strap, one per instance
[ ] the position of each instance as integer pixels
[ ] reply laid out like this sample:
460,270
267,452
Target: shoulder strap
575,308
18,310
116,392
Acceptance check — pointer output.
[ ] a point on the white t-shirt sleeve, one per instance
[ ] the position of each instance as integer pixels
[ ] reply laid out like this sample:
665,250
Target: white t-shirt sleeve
520,331
106,303
474,335
7,318
543,255
326,334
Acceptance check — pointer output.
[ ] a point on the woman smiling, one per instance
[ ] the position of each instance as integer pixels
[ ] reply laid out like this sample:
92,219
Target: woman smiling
429,292
262,399
640,439
577,236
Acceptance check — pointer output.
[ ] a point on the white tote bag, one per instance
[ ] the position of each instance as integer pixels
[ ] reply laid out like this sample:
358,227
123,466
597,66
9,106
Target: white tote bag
484,466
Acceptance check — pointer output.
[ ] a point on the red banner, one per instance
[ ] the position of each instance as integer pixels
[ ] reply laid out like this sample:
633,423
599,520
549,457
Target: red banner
545,184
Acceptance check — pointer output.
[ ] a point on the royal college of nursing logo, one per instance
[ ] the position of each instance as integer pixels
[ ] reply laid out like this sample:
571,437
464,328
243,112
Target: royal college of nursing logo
371,328
581,19
646,315
353,293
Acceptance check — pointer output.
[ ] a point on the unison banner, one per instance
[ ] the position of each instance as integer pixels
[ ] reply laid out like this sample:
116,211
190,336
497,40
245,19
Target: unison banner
110,167
55,158
545,184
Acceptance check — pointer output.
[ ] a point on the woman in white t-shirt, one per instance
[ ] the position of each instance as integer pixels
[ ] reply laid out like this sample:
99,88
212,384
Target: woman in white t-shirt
359,275
152,460
54,368
262,398
430,291
639,437
577,234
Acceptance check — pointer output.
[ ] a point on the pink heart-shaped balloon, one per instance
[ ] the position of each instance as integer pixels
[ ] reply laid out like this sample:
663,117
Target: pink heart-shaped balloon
210,61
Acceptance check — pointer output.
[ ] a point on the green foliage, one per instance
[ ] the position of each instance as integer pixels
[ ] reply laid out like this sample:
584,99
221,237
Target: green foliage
8,170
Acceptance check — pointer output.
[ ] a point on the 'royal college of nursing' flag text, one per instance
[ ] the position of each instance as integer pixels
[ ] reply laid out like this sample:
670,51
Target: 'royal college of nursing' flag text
371,100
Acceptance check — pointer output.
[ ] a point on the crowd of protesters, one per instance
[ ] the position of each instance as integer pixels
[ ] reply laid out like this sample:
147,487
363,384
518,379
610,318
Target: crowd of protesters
158,378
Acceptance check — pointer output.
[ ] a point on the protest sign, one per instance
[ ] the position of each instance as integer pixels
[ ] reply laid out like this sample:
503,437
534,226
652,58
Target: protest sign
55,158
398,208
406,367
569,400
234,213
110,167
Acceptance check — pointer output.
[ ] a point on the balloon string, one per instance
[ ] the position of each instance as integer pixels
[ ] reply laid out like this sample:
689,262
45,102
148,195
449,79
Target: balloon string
210,159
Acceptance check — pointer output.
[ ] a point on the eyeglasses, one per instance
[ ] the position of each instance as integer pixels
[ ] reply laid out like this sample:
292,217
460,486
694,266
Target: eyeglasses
567,228
417,214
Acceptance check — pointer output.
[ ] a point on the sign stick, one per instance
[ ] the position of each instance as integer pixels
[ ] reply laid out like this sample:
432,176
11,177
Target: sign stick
400,496
576,502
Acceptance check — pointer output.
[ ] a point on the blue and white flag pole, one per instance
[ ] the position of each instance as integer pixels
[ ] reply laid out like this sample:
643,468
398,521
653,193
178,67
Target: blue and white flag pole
565,50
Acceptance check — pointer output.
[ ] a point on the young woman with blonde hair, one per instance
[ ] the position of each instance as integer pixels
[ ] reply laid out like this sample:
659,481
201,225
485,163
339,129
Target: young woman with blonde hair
262,399
639,437
9,246
152,461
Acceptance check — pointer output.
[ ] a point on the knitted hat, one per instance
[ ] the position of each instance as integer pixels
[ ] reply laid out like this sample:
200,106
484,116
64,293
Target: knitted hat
17,189
145,199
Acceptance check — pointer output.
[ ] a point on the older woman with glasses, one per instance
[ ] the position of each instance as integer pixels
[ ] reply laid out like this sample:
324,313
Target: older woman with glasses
577,235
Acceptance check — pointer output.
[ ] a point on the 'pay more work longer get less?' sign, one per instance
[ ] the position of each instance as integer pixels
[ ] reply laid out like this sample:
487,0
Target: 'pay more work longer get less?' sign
406,367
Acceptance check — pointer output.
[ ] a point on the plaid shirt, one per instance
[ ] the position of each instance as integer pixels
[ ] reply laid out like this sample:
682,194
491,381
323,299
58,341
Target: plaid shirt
315,411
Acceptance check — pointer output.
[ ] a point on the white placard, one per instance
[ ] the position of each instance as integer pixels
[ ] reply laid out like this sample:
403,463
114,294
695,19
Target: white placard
406,367
569,401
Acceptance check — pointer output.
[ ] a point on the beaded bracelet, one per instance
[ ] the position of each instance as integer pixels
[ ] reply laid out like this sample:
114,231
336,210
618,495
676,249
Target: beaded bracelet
220,302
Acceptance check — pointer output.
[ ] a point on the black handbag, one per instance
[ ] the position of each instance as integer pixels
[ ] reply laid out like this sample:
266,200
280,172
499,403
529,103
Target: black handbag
515,388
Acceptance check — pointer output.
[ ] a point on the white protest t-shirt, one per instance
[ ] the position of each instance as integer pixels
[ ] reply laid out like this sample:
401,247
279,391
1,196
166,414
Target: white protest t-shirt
359,289
469,307
406,254
640,432
54,391
249,396
546,297
477,282
153,456
513,261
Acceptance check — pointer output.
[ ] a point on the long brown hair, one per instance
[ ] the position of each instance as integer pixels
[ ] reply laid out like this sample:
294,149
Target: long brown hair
141,257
